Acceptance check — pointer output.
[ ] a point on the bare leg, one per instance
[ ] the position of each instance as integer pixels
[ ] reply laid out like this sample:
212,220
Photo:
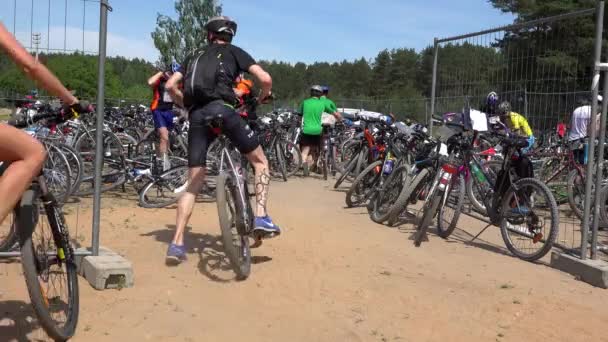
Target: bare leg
185,204
305,152
262,180
26,156
163,147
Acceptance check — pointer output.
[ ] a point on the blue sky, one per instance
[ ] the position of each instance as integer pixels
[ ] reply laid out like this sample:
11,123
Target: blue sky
287,30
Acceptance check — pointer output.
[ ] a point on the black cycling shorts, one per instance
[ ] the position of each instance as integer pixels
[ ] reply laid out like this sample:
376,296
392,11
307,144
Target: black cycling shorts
200,135
310,140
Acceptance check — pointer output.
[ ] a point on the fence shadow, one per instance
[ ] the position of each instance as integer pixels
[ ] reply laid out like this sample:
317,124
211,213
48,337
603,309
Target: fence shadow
17,321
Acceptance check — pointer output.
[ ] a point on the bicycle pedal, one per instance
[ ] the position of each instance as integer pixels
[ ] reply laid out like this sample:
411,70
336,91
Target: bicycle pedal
537,237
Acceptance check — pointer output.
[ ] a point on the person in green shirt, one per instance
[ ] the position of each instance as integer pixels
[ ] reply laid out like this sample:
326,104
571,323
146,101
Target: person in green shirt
312,109
326,99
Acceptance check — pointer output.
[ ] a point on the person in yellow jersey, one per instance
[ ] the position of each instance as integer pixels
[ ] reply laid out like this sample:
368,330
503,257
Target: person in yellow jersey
516,122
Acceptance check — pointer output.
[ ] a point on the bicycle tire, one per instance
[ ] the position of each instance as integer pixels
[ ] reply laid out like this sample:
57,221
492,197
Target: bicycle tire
281,161
177,173
57,173
344,175
292,157
576,187
325,164
404,197
553,230
604,205
228,192
430,211
354,188
446,227
34,273
9,238
393,184
76,166
117,164
471,190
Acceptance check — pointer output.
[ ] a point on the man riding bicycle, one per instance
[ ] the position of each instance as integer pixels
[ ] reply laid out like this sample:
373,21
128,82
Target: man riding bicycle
209,77
25,154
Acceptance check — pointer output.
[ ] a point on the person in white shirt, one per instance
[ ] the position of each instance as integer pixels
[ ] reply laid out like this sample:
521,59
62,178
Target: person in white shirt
579,127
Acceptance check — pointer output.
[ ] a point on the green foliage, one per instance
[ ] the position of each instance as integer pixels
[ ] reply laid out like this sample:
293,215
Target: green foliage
178,38
124,78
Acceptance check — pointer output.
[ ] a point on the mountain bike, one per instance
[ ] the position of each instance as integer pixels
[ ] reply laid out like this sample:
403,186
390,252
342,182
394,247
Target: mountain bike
47,258
520,206
234,207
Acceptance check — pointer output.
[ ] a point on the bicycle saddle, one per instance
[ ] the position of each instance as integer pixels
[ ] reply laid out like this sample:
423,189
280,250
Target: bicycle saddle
214,120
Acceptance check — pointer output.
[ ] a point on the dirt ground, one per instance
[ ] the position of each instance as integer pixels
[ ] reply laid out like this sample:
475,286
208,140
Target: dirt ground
332,276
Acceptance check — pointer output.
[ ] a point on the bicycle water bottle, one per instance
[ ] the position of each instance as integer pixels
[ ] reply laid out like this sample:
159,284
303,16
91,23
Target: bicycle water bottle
477,172
389,164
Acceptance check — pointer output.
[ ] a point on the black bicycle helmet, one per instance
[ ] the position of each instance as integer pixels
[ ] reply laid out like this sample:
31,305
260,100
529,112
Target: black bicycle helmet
221,24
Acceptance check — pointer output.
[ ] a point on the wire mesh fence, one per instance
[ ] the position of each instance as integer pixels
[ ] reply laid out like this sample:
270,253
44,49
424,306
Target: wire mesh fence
49,28
544,69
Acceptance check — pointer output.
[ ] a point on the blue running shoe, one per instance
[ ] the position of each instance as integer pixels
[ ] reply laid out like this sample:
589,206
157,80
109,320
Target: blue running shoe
265,227
175,254
520,210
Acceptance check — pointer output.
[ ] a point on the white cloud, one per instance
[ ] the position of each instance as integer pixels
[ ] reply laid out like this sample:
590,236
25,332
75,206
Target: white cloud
74,38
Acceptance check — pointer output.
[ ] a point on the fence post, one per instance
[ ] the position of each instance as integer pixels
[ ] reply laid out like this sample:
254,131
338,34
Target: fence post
595,92
104,6
433,86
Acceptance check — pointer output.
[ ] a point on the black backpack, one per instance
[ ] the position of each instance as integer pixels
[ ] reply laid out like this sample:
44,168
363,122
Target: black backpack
206,79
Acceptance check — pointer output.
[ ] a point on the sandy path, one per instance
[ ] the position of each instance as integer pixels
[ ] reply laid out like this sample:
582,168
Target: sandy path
333,276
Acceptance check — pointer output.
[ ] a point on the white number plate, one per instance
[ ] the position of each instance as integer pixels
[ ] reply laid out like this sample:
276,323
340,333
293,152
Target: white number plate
443,150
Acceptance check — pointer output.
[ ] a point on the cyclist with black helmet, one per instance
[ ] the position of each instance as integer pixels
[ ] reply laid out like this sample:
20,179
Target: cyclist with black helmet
209,77
312,110
25,154
491,105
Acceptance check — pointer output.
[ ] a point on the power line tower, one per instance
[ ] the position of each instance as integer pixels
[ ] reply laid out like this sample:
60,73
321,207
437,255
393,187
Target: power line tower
36,39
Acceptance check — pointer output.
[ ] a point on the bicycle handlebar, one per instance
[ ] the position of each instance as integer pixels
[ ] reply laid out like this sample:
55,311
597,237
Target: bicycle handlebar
24,122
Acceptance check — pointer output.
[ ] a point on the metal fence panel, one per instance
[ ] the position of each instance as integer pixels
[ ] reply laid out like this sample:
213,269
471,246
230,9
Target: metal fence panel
543,68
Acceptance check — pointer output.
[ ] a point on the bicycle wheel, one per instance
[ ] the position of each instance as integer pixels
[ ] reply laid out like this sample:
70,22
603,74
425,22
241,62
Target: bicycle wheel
351,166
576,193
364,185
526,207
430,210
450,208
491,169
292,156
409,194
76,166
381,204
324,160
57,173
48,265
165,189
113,172
604,205
281,161
231,211
129,144
8,233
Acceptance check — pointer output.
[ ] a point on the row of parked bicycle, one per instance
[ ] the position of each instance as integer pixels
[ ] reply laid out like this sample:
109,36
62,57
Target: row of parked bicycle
413,177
